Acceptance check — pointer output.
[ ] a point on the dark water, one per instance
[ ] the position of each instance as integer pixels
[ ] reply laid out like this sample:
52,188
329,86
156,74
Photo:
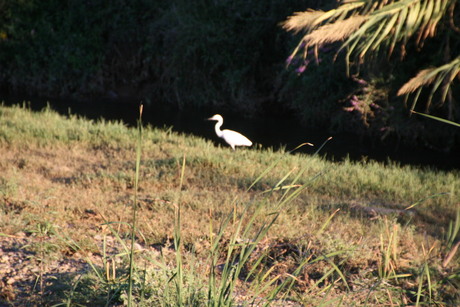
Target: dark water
267,131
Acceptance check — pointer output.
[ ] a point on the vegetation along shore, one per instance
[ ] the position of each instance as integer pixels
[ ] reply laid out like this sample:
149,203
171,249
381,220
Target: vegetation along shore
345,67
95,213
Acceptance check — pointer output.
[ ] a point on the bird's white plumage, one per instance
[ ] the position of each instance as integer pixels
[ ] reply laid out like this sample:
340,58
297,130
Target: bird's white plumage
231,137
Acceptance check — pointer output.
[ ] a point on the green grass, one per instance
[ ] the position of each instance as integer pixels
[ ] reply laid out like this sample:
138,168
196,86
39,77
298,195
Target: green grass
217,227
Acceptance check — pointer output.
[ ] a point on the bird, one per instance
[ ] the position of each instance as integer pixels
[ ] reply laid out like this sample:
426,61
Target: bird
231,137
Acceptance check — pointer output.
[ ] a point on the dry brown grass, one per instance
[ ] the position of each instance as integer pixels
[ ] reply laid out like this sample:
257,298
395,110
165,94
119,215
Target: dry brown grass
78,186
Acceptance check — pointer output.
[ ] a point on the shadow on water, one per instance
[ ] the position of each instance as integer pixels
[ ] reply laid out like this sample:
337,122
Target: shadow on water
267,131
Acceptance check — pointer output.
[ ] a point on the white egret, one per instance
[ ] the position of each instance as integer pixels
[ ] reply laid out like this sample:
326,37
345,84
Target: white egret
232,138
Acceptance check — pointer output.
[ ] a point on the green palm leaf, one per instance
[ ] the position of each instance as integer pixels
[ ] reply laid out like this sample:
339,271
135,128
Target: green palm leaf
439,119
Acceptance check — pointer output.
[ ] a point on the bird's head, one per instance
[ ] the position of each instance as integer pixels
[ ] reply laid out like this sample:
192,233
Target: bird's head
216,117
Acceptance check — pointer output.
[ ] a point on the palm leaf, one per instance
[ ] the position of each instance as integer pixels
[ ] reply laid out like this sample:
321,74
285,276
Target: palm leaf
311,19
333,32
403,19
368,26
424,77
413,19
439,119
439,76
302,20
389,27
367,43
382,23
397,35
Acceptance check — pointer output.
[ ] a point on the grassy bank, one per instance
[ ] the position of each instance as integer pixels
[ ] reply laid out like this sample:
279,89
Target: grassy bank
349,233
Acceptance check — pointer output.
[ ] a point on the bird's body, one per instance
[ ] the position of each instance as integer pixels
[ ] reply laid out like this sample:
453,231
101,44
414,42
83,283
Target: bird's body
231,137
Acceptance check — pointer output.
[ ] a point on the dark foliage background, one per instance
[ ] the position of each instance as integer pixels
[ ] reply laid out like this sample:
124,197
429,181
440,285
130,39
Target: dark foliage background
229,55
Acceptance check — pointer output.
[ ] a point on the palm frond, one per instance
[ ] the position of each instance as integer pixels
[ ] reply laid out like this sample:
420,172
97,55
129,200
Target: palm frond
438,119
372,26
302,20
382,23
397,22
311,19
424,77
439,77
333,32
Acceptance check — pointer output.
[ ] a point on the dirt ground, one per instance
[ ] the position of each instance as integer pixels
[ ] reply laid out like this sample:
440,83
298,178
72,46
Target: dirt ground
44,191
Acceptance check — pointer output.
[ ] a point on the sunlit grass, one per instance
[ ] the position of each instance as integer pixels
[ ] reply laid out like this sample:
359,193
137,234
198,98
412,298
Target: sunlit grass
357,232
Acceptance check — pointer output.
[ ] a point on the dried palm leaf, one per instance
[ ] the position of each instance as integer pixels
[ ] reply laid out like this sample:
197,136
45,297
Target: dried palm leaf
302,20
333,32
438,77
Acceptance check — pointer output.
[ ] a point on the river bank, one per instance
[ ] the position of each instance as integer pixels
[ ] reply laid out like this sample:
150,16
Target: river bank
67,186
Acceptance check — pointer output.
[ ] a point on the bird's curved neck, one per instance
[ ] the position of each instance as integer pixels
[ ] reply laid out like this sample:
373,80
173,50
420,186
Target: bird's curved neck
217,128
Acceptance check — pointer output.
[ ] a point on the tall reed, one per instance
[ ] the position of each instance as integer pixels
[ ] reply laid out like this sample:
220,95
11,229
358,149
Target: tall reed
135,205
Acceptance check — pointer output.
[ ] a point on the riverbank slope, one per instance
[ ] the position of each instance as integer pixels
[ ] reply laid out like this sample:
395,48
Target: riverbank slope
67,187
